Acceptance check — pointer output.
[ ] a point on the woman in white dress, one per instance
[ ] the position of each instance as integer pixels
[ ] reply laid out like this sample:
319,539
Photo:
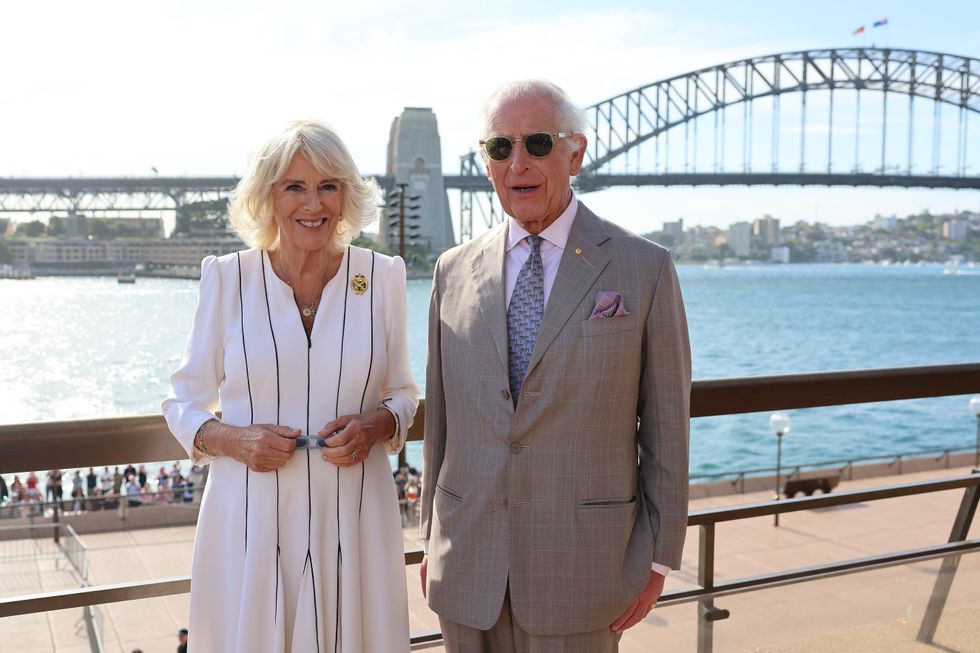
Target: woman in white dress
301,343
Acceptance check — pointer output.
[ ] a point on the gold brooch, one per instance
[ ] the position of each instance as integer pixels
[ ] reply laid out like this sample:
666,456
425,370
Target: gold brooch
359,284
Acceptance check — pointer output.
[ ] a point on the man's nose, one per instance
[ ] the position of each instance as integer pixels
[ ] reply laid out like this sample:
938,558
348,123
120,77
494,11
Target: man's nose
519,158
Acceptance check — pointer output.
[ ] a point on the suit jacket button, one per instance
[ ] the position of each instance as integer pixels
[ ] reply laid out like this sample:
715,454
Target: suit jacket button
505,393
515,448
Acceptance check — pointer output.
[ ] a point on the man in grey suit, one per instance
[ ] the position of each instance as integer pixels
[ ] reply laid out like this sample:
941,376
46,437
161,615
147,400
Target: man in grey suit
557,406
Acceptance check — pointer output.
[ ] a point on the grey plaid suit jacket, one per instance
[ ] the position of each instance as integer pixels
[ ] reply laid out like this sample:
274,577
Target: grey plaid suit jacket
570,496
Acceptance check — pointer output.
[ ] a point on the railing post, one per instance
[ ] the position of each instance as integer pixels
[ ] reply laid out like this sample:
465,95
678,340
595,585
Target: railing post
706,579
55,520
944,580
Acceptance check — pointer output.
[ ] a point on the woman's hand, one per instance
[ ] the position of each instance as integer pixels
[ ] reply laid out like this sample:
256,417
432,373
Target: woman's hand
262,447
353,436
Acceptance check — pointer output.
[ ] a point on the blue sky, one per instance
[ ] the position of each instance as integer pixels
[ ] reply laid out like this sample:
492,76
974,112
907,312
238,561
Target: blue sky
111,87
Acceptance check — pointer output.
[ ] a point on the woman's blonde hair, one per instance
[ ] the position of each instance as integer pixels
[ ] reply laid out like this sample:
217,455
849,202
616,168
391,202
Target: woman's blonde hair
250,208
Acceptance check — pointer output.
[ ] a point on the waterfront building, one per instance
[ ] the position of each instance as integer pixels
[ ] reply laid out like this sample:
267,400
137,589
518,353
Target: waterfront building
675,230
766,230
956,229
67,255
740,239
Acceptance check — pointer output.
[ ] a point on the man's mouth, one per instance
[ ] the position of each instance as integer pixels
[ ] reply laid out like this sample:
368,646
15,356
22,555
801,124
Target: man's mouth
312,224
524,189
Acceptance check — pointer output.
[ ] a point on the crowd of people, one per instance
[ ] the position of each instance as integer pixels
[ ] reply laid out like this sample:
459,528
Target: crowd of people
75,492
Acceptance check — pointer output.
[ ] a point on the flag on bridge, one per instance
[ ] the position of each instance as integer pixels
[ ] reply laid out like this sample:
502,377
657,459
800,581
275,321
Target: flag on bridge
879,23
859,30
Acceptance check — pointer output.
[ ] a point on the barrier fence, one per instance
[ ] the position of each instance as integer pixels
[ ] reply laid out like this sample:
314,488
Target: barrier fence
113,441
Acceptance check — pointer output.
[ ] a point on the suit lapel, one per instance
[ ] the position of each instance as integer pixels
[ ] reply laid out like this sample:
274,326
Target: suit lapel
581,263
488,275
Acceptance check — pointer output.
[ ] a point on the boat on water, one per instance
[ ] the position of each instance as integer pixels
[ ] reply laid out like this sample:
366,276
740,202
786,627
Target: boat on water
126,277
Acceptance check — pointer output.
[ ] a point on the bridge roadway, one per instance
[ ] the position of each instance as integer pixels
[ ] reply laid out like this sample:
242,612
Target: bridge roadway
68,186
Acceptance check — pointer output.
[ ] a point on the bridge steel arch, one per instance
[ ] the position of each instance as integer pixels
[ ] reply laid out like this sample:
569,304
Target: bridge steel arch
623,122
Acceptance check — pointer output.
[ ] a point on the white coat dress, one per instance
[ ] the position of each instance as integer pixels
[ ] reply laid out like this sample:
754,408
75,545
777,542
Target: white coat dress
308,558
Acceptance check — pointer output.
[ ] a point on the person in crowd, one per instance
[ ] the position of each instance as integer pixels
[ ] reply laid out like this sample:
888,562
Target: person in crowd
49,486
117,480
198,475
33,493
4,491
302,342
133,492
105,481
557,406
17,490
182,640
91,482
164,495
77,493
141,476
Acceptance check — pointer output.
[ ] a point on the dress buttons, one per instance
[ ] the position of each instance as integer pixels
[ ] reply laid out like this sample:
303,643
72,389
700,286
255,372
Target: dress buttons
505,393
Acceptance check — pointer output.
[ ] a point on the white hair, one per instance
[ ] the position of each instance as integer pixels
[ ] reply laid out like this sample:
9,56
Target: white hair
570,118
250,209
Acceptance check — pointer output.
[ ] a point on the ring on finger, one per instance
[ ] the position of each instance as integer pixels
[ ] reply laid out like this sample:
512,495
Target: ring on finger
354,456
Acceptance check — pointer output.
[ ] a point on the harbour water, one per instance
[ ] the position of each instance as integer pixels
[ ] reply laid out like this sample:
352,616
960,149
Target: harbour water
83,347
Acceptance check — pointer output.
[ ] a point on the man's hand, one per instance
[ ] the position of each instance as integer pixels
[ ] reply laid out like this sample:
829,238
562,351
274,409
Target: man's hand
641,607
422,572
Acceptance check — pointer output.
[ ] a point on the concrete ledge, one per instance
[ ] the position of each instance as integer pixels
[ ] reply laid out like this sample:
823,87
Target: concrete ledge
847,473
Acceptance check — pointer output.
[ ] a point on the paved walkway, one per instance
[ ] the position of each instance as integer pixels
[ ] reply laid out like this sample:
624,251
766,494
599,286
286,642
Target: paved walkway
870,611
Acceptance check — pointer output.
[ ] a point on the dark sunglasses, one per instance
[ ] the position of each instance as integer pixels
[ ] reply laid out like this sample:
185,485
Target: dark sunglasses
539,145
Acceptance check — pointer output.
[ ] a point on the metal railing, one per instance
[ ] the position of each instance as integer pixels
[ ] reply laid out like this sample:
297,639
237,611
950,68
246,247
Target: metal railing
114,441
843,466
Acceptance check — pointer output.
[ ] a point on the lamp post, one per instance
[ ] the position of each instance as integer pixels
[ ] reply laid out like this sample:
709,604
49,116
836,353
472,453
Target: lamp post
975,407
780,424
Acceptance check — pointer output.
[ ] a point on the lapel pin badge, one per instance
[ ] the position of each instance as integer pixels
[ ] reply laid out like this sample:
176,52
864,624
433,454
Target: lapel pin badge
359,284
578,250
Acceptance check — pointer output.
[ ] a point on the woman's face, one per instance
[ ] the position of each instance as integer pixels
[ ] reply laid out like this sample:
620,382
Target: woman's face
306,206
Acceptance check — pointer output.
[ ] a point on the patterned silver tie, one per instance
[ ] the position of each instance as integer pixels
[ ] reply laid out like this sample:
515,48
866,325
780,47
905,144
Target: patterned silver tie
524,316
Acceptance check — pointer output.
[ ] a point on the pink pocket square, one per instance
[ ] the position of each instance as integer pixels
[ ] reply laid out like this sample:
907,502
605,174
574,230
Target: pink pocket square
608,303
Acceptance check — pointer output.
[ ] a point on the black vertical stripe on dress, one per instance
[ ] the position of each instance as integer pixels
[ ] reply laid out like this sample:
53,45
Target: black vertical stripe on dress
248,383
367,379
336,412
275,349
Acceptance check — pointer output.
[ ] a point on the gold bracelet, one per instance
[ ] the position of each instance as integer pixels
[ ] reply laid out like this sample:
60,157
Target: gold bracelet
398,426
199,441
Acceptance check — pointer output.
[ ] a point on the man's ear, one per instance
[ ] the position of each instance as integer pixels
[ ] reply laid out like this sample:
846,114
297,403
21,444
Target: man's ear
581,142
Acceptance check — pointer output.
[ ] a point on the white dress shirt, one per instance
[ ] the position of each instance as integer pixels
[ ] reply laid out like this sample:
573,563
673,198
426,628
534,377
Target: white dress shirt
553,243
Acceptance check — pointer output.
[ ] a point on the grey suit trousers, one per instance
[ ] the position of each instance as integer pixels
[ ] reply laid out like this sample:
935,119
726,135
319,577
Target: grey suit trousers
506,636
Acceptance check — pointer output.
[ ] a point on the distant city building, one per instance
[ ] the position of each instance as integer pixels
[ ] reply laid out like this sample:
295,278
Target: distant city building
675,230
956,229
884,224
779,254
68,254
740,239
766,229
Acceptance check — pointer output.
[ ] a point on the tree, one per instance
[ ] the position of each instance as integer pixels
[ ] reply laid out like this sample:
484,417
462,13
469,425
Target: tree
370,243
211,216
100,229
32,229
56,226
661,237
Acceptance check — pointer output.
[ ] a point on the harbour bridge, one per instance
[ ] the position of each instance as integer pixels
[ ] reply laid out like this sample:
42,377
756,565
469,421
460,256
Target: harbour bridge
880,117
